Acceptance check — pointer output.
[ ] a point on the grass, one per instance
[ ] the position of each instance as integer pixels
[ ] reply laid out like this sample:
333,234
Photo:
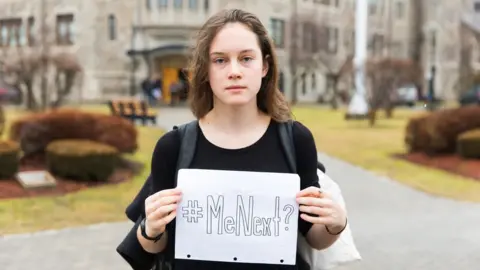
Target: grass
372,147
95,205
353,141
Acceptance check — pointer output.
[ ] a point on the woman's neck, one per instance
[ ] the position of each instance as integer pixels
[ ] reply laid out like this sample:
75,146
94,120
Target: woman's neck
235,119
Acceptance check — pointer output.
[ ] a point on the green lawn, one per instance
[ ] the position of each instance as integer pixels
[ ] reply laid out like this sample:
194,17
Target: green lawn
371,148
354,141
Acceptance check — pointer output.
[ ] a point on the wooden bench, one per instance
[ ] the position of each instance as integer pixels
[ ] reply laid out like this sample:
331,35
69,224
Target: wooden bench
133,109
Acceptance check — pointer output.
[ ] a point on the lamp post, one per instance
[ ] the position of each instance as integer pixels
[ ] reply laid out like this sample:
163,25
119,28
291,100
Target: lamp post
358,107
432,71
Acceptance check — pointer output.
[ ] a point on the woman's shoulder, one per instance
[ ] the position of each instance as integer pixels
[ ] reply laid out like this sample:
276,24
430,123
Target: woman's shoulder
168,143
299,129
301,133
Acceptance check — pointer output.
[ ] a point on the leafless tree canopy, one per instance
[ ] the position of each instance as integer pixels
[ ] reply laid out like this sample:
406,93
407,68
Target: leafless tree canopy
23,70
386,75
313,46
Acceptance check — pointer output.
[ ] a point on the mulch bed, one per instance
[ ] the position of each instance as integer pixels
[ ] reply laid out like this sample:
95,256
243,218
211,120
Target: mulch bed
11,188
451,163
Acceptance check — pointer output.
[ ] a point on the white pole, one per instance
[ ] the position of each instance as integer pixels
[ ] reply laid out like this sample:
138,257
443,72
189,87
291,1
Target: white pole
358,105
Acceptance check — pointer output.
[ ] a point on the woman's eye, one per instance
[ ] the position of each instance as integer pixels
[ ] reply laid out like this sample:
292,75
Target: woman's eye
218,60
246,59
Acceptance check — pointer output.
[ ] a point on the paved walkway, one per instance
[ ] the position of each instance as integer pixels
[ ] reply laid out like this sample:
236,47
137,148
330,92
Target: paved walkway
395,228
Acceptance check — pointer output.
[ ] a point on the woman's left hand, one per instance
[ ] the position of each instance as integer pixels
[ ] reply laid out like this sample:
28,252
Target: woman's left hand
322,209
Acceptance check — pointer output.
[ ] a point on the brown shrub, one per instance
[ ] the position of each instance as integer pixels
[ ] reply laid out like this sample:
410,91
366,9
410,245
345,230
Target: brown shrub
81,159
9,159
416,135
36,131
468,144
438,131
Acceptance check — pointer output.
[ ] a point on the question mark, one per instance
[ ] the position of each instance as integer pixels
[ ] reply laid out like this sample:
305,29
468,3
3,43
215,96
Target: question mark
290,209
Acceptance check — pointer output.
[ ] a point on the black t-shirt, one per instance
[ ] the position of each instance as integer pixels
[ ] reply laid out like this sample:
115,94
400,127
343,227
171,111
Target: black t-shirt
265,155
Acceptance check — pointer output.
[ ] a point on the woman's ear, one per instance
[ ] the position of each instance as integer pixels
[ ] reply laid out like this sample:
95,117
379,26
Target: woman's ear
266,65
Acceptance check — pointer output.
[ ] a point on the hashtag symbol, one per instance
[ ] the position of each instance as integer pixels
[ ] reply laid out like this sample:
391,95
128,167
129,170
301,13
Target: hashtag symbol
192,211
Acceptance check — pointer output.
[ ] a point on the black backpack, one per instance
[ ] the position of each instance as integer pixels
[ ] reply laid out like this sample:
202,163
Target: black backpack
188,137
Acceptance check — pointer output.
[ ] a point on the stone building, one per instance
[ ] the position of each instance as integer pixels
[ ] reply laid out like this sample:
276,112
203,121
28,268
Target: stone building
119,43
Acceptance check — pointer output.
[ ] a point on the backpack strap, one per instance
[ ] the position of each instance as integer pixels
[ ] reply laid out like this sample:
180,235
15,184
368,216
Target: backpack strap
188,141
285,131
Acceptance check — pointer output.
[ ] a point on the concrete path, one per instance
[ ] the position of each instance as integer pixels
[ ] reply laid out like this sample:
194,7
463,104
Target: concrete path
395,228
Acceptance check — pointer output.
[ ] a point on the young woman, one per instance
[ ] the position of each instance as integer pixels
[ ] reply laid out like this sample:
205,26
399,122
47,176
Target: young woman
234,96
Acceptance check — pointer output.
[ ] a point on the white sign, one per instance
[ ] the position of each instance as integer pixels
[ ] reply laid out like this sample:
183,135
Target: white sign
235,216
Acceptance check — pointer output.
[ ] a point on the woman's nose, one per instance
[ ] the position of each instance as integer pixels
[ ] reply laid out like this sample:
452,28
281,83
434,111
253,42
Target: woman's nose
235,72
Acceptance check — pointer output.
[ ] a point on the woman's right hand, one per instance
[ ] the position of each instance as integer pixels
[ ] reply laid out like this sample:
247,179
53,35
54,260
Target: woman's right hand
161,209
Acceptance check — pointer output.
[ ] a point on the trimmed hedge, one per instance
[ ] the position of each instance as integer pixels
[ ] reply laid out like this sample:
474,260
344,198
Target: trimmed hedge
437,132
9,159
468,144
36,131
81,159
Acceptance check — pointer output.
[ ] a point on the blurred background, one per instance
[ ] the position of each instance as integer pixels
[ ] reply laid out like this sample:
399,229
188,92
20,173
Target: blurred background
88,86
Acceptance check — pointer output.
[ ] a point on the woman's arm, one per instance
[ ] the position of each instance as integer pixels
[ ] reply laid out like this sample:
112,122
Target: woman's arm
151,246
135,249
318,211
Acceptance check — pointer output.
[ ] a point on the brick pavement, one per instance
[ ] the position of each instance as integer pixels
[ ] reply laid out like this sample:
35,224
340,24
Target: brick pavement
395,228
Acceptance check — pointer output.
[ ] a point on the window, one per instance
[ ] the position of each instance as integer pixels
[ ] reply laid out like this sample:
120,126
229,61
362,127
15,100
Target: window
64,29
332,40
308,37
148,4
277,27
304,83
314,82
476,6
193,4
376,44
206,5
162,4
112,27
178,4
373,7
30,34
328,2
399,10
10,31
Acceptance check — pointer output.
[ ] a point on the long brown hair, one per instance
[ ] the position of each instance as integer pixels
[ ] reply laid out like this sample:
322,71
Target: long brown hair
269,99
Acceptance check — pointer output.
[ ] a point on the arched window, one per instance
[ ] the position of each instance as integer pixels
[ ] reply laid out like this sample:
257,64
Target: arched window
112,27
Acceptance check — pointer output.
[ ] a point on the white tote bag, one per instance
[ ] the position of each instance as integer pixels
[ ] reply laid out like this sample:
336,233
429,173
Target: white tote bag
343,251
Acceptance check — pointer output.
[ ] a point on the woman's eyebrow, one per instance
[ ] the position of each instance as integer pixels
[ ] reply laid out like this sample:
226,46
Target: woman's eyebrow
223,53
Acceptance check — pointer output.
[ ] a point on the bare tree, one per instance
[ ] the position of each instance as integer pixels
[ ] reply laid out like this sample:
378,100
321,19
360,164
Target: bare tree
385,76
313,46
29,67
20,70
467,76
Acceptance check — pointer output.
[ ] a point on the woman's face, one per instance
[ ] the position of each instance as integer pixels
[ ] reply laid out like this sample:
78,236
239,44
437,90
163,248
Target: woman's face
236,65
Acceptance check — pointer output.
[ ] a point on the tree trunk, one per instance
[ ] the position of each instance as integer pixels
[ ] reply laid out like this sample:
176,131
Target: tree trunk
2,120
334,100
31,102
294,94
389,112
372,116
